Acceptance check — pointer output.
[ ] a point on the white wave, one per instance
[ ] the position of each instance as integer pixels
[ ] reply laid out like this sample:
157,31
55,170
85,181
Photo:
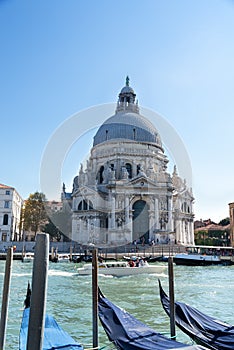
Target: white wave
60,273
21,274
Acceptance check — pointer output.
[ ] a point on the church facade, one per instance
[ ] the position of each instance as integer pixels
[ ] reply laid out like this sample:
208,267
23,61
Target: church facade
125,194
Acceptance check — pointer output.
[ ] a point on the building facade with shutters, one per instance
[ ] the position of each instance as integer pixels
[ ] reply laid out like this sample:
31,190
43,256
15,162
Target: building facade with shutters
11,205
125,194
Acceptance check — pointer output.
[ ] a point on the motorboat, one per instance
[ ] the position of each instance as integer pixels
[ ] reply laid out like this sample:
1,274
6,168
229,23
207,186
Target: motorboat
205,255
127,333
122,268
28,257
203,329
196,259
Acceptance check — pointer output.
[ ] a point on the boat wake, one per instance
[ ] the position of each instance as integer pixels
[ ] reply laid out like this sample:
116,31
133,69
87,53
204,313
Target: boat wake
60,273
21,274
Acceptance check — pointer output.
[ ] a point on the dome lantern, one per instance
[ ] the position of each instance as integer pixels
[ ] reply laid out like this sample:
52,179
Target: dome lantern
126,101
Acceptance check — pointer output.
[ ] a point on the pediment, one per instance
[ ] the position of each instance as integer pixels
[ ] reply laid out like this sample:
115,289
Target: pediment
142,181
85,191
185,194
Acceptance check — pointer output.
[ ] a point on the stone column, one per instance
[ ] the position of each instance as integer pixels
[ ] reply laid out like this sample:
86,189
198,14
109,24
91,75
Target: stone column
191,240
169,225
156,215
151,225
126,210
179,231
183,231
112,223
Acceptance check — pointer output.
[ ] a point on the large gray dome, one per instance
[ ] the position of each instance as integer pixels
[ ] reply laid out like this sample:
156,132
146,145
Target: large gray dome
128,126
127,123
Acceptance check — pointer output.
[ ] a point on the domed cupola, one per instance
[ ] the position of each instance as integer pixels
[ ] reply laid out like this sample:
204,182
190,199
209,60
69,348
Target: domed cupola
126,101
127,124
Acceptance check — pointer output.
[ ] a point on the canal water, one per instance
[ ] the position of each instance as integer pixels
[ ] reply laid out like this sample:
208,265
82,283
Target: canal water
210,289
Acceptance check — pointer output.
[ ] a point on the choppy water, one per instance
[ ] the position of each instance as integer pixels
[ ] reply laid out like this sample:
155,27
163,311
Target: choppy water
211,289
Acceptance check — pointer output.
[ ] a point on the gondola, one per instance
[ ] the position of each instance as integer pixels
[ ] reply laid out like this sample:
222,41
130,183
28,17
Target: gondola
203,329
127,333
55,338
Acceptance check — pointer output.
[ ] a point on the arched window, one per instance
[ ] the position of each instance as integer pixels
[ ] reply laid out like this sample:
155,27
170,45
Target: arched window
140,220
128,166
185,208
5,219
83,205
100,175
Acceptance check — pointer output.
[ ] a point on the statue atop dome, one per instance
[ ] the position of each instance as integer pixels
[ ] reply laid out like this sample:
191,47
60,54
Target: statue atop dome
127,80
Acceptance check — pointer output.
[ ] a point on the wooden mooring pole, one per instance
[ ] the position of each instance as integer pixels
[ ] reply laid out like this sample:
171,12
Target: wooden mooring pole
5,297
172,297
39,290
95,297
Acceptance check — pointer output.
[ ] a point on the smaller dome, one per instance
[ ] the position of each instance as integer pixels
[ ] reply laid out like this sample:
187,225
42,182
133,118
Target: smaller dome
127,90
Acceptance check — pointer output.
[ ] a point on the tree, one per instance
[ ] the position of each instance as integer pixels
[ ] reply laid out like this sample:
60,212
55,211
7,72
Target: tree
225,222
52,230
34,212
59,224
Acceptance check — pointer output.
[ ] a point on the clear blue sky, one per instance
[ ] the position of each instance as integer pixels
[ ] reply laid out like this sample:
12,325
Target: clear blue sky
60,57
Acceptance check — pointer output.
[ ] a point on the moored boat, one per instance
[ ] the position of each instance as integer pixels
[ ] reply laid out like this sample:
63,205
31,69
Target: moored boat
203,329
123,268
205,255
62,258
128,333
196,259
28,257
55,337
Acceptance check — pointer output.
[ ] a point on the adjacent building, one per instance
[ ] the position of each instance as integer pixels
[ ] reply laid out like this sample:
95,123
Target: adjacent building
11,205
231,213
54,206
125,193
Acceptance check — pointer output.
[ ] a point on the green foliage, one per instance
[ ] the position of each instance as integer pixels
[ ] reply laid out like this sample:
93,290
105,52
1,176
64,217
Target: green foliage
52,230
34,213
225,222
59,225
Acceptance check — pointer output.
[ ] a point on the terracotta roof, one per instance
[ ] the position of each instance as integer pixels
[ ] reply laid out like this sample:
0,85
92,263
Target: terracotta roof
213,227
5,186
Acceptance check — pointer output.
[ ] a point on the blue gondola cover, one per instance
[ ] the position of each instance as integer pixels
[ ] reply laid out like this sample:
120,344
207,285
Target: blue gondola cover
55,338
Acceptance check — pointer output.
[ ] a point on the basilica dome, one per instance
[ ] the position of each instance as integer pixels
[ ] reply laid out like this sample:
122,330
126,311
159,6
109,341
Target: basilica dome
127,123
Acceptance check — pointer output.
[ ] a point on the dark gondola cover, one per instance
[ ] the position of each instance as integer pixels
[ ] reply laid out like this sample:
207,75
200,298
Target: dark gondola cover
127,333
203,329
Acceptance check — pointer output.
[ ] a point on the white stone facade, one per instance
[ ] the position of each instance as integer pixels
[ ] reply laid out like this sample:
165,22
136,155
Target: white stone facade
125,194
11,205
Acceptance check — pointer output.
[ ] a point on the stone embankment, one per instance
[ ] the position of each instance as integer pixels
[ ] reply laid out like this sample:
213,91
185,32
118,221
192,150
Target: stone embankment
116,252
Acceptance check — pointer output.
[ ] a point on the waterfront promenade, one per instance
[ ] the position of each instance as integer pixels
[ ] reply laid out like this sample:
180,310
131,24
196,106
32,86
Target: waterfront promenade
106,253
116,252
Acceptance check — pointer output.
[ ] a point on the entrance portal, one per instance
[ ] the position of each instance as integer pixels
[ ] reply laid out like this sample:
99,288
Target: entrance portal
140,221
